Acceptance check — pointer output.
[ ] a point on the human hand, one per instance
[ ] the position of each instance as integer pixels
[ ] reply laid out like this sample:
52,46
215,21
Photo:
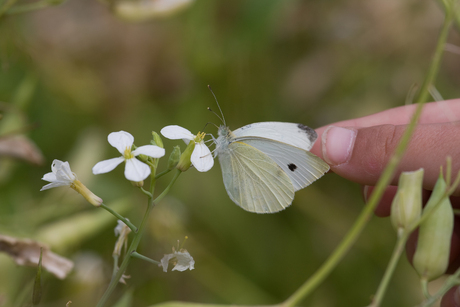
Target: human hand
359,149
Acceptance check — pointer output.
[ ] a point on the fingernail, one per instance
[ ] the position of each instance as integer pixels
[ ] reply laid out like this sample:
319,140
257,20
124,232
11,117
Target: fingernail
337,144
457,296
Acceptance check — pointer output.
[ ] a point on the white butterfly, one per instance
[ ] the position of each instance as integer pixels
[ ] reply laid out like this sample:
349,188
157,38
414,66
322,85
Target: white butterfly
263,164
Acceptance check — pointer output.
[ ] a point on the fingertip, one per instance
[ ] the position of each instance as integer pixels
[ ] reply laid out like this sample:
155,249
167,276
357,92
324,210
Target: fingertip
337,144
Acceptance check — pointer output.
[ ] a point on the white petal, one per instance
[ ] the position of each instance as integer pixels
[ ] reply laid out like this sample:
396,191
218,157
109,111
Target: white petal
51,177
149,150
175,132
184,262
54,185
63,172
165,261
120,140
106,165
202,158
135,170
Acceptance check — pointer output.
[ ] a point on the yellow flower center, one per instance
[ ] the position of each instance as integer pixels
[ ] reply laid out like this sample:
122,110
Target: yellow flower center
128,154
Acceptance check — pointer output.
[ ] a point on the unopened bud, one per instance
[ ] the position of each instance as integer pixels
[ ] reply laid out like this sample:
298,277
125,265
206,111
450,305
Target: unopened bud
406,207
156,140
431,257
174,157
86,193
184,161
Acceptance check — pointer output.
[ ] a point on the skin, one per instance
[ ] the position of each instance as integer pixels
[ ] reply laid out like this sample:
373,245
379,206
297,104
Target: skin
360,152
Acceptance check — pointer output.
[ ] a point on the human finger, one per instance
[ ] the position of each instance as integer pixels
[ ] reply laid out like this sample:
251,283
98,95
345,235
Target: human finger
361,154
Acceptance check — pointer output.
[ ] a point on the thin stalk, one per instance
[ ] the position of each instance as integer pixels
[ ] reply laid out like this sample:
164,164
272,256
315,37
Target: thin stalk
139,256
315,280
436,60
135,243
163,194
133,246
163,173
118,216
397,252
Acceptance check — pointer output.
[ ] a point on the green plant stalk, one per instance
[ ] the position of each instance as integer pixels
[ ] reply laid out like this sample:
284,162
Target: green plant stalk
436,60
397,252
388,173
135,243
118,216
140,256
451,281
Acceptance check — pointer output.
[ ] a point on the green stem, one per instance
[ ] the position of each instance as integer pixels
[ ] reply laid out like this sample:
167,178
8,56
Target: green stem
163,194
135,243
388,173
398,250
163,173
139,256
436,61
424,285
450,282
118,216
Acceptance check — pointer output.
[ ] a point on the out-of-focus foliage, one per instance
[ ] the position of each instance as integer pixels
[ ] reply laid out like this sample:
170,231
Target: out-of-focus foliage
313,62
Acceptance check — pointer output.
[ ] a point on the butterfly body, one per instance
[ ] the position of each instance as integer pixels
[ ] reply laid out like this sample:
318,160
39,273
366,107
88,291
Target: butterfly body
264,164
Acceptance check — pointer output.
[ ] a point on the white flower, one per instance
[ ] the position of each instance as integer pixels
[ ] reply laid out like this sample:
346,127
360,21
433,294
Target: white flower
135,170
201,157
62,175
182,261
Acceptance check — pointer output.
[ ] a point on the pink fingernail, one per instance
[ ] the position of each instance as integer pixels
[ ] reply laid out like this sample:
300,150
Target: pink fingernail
337,144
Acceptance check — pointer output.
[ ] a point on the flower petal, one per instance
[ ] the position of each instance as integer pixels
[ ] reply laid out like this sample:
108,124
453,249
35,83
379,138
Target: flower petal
202,158
120,140
106,165
149,150
135,170
165,261
184,262
51,177
54,185
175,132
63,171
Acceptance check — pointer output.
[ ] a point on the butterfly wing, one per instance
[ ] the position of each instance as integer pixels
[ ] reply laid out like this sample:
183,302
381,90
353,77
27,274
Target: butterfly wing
301,166
297,135
253,180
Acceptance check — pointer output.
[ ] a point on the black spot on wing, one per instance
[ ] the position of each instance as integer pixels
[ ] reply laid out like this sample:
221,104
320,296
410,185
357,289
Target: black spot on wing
311,134
292,166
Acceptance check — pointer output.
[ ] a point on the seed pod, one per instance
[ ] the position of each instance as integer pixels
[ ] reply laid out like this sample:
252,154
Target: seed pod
431,257
406,207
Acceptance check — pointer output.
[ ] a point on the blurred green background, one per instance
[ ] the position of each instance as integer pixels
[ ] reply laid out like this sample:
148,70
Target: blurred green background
70,75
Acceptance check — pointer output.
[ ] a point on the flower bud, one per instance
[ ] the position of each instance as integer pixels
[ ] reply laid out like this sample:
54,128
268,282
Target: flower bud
184,161
156,140
86,193
174,157
431,257
138,184
406,207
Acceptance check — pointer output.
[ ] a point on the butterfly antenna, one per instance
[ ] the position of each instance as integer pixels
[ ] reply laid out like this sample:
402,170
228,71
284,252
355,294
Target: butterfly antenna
221,113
